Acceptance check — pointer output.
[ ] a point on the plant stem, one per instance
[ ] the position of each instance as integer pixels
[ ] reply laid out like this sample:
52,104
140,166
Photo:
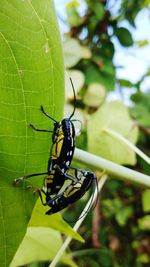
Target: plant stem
79,222
128,143
113,169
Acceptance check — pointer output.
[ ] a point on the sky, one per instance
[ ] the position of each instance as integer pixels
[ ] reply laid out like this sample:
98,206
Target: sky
135,61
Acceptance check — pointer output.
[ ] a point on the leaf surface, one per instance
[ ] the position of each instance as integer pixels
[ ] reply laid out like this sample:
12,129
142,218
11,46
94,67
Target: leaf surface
146,200
113,115
54,221
124,36
40,244
72,52
30,75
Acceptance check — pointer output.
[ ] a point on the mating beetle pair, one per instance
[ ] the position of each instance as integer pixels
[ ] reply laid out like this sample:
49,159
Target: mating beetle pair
61,154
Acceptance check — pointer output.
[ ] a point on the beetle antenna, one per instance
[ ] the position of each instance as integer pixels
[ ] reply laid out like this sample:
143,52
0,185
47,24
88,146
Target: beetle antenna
75,100
97,192
92,197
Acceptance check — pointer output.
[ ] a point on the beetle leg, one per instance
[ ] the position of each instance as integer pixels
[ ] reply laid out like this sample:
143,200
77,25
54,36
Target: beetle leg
20,179
40,130
67,175
40,195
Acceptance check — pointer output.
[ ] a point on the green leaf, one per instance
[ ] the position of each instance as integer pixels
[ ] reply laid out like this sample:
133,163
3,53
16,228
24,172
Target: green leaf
142,43
94,95
123,215
73,17
72,52
126,83
99,11
146,200
94,75
107,50
143,258
40,244
41,234
141,110
108,68
141,113
92,23
86,52
144,223
144,165
111,206
146,3
142,98
114,207
30,76
113,115
124,36
73,3
54,221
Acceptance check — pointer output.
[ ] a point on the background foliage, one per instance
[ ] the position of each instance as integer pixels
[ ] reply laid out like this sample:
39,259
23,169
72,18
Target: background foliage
122,225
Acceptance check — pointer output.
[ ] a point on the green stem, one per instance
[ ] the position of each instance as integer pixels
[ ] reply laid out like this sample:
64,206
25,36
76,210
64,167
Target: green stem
113,169
79,222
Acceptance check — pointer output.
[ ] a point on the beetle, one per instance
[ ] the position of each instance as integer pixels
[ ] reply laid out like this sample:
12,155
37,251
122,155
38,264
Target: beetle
73,192
61,153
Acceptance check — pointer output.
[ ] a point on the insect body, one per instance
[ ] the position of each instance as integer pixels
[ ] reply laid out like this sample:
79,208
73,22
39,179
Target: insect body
62,150
73,192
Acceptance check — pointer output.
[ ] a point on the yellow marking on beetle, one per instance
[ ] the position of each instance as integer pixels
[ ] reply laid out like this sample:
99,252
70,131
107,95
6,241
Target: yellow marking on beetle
70,191
59,147
53,151
53,157
55,166
49,181
50,177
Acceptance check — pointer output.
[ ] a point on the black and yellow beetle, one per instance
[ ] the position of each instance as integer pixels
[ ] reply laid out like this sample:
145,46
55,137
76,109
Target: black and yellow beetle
61,154
62,150
80,184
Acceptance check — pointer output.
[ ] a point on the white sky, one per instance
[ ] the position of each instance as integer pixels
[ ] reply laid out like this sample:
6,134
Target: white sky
135,61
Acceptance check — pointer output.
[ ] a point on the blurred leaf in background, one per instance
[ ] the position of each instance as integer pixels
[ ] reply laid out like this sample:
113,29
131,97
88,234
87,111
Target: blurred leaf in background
43,238
103,29
113,115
